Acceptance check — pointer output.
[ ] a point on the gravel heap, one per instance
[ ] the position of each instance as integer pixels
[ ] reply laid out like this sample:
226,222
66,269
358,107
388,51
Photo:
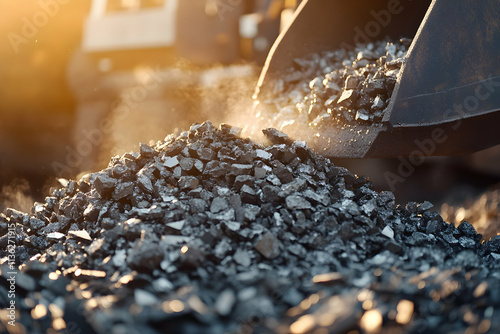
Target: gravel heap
338,88
211,233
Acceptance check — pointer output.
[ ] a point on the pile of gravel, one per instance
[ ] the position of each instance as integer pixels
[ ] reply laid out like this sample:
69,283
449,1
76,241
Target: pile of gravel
211,233
337,88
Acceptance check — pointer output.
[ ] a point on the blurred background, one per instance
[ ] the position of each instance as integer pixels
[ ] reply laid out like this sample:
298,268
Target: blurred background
84,80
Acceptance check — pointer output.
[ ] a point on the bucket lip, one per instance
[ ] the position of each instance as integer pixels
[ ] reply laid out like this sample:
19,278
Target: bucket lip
449,60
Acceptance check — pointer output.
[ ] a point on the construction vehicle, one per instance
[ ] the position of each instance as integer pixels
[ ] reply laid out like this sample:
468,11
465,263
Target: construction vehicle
447,98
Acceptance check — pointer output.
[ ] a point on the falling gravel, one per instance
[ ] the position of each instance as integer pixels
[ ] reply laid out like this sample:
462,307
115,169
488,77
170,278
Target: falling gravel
208,232
336,88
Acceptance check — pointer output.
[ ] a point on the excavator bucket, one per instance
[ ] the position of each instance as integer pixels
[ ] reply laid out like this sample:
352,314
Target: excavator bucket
446,99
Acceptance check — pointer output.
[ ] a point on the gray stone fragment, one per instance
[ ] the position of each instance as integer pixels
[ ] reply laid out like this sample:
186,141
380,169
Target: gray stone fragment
276,136
186,164
316,83
226,155
219,204
495,256
198,166
240,169
193,128
232,130
221,191
369,207
308,170
277,219
188,182
419,239
104,185
242,180
146,150
351,82
297,250
55,235
332,86
216,168
251,212
119,258
284,175
144,298
378,103
242,257
450,238
466,242
351,207
468,230
225,302
176,225
248,195
95,246
296,202
226,215
174,239
82,234
107,223
222,249
206,154
119,171
260,172
145,255
197,205
171,162
362,115
177,172
123,190
316,197
162,285
153,212
347,97
268,246
388,232
274,180
424,206
375,87
233,226
264,155
145,183
295,186
270,194
36,224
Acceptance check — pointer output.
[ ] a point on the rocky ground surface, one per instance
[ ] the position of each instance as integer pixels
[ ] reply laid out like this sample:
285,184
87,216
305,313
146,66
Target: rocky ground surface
208,232
336,88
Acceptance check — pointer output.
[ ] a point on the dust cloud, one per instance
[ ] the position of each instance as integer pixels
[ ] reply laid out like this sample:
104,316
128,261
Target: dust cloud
16,194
